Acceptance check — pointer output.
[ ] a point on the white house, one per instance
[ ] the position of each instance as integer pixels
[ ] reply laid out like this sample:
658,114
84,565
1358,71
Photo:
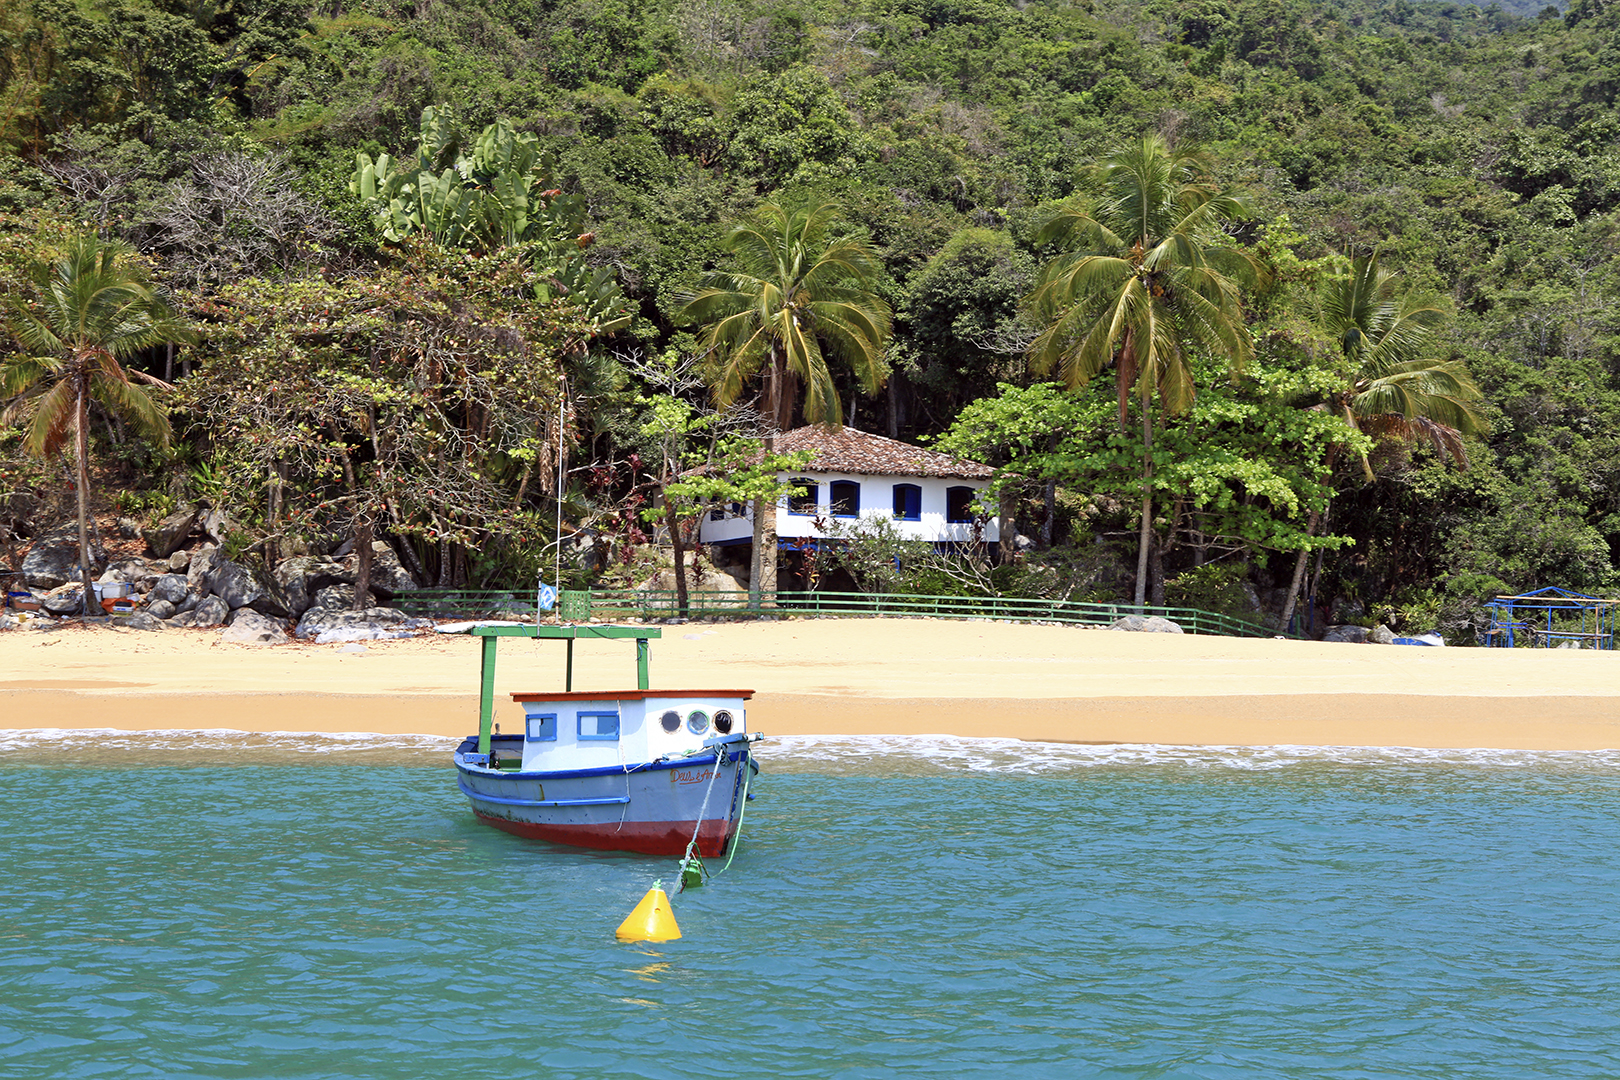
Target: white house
854,475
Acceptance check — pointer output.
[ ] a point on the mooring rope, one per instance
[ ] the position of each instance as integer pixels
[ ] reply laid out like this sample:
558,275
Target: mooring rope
692,855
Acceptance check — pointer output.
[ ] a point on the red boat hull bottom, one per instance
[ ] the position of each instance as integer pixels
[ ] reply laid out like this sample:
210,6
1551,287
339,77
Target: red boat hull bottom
645,837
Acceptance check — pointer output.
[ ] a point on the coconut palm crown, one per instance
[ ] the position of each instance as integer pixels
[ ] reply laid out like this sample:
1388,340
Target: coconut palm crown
1143,274
1394,391
797,291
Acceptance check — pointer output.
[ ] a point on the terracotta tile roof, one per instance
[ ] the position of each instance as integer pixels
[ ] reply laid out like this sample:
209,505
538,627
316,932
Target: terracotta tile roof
849,451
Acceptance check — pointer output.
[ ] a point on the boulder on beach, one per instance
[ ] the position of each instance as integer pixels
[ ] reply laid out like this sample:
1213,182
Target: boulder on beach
139,620
339,597
302,576
328,625
1348,633
53,558
248,627
210,611
171,588
64,599
1146,624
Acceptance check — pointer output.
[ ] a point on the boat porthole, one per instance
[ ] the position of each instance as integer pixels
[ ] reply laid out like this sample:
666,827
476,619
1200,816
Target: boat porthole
722,721
697,722
671,720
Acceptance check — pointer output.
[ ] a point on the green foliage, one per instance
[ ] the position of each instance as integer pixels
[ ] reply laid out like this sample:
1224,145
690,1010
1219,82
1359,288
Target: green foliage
1474,147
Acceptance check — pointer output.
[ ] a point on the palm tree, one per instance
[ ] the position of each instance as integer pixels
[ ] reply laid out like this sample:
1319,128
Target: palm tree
1143,276
799,291
91,312
1393,392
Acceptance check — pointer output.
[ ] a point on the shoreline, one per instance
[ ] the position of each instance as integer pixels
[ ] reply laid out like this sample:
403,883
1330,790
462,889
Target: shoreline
902,677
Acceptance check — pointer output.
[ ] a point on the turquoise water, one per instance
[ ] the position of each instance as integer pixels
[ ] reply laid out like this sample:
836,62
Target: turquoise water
188,905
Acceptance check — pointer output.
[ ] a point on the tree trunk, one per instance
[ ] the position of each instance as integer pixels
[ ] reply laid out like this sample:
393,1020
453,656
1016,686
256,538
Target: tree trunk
272,547
762,587
1145,536
1007,511
1155,570
407,555
1299,574
362,548
82,423
680,555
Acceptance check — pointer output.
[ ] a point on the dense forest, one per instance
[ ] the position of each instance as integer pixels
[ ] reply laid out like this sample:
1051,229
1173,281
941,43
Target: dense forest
427,270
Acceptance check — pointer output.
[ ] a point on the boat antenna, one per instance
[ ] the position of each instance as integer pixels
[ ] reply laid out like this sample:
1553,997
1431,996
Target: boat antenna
562,398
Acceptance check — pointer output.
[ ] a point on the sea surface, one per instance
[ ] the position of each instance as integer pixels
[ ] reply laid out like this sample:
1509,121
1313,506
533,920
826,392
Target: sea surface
185,904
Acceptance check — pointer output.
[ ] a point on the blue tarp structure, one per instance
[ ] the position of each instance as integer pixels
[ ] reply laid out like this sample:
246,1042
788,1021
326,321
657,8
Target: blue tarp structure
1549,617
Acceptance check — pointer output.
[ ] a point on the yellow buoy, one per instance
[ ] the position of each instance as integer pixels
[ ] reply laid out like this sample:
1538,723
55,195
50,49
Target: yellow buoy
653,919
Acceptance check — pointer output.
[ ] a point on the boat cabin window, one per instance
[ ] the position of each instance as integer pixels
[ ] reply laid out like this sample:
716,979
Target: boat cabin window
541,727
907,502
723,721
698,722
670,721
959,504
598,726
846,498
806,503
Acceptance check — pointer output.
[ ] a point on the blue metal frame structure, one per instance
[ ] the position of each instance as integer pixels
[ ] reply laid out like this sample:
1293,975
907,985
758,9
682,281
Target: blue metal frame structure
1550,616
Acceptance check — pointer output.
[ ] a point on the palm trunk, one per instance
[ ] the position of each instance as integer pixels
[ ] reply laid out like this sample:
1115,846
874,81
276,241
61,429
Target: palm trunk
1145,536
762,581
82,423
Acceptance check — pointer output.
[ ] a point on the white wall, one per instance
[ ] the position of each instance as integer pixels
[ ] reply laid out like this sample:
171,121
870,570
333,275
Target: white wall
876,501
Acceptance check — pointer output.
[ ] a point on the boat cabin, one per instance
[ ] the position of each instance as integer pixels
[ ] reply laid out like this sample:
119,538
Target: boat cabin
602,729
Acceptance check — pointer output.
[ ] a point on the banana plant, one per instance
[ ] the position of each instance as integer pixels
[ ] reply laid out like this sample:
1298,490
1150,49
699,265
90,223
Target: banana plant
499,194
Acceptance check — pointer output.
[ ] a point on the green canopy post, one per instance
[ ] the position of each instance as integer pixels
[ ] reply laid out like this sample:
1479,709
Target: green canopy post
492,634
486,695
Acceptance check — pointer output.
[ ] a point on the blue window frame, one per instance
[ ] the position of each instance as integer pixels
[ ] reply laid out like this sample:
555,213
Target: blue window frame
806,503
846,498
540,727
598,727
959,504
907,502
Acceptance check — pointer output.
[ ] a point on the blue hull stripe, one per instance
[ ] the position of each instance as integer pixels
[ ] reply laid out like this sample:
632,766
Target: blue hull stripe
607,770
611,800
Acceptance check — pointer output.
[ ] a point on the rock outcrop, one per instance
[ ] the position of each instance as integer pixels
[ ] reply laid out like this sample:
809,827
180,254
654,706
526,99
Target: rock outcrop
170,534
53,558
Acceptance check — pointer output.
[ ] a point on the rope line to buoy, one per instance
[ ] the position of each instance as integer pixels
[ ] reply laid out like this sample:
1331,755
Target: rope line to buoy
692,848
747,767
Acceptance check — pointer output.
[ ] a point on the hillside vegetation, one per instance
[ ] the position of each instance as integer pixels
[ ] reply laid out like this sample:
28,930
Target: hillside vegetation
564,175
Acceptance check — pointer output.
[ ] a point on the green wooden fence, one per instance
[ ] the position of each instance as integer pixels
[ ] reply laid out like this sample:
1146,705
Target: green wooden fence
610,604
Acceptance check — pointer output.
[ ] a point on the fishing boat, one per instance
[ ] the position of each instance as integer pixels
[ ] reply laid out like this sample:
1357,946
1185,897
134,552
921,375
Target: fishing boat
661,772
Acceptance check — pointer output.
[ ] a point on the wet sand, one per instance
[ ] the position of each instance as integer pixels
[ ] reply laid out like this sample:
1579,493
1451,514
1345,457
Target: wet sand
867,676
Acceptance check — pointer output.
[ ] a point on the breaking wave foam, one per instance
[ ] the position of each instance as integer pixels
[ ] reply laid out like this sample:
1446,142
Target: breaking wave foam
893,755
216,746
938,754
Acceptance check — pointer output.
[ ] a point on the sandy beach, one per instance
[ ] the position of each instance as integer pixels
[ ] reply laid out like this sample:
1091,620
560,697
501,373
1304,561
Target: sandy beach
869,676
